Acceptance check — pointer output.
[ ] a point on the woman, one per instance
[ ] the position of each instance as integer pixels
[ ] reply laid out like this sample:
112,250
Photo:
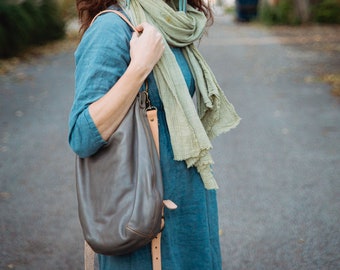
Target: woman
112,64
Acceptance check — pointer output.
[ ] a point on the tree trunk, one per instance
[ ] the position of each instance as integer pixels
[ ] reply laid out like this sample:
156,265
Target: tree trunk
302,9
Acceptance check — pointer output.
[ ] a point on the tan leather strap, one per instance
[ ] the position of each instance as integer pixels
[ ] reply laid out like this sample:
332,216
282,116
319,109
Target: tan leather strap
156,252
119,14
153,122
156,242
88,257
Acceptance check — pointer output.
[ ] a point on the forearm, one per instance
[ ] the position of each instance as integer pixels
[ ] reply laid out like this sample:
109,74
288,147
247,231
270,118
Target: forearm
108,111
146,48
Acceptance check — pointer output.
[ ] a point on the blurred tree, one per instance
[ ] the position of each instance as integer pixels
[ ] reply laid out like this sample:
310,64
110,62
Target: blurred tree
300,11
326,11
27,22
68,9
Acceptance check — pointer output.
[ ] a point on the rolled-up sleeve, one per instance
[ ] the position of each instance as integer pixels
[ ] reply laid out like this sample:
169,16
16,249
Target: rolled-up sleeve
101,58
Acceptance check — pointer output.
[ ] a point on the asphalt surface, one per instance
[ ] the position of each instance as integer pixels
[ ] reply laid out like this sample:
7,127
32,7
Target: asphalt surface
279,171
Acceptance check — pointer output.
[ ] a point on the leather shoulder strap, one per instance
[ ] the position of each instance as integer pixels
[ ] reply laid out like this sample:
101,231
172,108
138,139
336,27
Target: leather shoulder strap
120,14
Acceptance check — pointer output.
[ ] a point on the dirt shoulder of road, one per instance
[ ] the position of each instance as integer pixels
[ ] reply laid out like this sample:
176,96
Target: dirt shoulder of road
324,39
67,44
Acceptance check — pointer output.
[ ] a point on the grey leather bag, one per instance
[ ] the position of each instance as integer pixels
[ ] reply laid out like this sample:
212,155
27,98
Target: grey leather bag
119,189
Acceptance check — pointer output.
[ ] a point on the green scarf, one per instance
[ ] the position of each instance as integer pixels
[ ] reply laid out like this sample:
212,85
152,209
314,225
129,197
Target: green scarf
190,130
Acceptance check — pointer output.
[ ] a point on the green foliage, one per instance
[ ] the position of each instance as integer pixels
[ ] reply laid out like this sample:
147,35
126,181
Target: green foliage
327,11
321,11
54,25
283,13
28,23
68,9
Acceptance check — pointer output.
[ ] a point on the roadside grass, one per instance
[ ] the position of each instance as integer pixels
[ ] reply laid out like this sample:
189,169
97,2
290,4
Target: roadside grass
334,80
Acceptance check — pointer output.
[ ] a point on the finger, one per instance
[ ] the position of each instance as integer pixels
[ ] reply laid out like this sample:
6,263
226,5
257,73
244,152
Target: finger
140,27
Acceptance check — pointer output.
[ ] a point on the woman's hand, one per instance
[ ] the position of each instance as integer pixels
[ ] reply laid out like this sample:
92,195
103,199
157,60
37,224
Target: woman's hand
146,47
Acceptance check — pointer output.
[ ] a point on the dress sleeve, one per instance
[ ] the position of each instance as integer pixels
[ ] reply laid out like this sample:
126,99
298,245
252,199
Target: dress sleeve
101,58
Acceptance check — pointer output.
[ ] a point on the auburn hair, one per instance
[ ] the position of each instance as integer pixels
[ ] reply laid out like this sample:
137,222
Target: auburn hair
88,9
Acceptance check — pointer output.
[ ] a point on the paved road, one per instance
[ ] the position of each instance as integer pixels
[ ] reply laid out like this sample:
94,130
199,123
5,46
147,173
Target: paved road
278,171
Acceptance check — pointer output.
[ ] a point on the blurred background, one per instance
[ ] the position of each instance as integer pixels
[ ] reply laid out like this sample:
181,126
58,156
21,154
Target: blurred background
279,172
34,22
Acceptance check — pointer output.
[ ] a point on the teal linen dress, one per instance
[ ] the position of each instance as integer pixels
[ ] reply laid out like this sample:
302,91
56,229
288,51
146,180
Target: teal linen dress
190,239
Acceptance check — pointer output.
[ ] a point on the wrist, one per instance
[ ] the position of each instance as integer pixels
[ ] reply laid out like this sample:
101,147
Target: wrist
139,71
